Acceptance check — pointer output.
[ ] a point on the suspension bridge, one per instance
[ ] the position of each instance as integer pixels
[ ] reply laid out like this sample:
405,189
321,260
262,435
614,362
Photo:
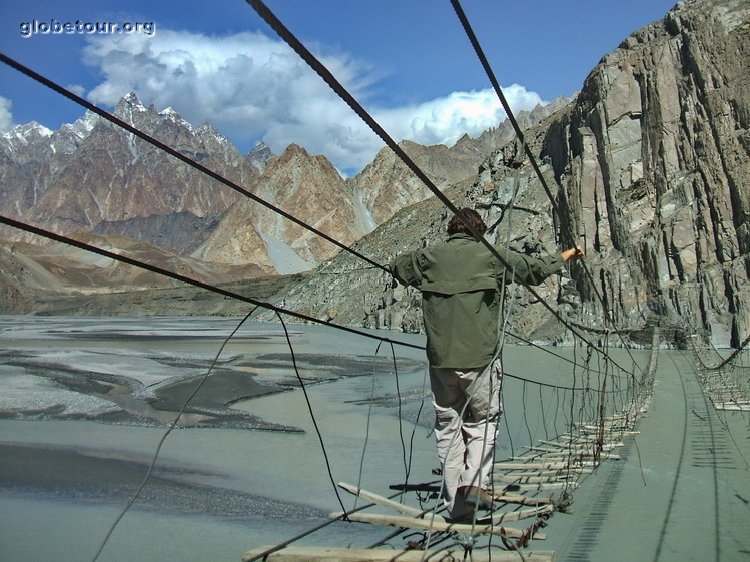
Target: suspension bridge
591,425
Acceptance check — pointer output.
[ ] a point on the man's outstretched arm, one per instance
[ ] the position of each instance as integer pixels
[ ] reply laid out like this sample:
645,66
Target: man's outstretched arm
572,253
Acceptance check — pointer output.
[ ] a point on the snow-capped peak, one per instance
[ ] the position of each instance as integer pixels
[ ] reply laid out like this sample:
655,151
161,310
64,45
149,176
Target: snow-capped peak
131,98
24,133
84,125
171,114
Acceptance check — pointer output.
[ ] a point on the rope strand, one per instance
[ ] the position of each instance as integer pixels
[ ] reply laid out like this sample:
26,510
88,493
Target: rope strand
164,438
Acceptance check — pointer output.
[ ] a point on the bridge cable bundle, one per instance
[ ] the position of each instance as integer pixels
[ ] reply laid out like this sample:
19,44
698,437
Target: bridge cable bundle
574,421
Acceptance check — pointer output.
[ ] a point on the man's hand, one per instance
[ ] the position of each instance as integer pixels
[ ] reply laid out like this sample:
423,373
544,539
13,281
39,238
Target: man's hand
570,253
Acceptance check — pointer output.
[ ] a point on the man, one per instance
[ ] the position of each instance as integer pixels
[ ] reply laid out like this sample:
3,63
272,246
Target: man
461,283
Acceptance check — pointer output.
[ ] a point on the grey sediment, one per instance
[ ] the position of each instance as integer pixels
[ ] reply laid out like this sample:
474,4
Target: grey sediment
91,476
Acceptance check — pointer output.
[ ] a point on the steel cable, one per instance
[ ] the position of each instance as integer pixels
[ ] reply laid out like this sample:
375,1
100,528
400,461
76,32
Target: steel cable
274,308
176,154
519,133
312,61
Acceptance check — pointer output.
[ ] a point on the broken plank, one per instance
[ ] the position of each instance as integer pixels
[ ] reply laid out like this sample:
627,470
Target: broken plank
385,502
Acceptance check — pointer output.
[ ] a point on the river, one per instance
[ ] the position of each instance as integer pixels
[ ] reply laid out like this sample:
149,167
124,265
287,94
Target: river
71,459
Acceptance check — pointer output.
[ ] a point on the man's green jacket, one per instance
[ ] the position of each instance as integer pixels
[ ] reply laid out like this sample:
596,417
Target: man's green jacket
460,282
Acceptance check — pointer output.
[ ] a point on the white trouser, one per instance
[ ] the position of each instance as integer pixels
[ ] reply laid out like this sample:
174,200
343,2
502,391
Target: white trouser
465,443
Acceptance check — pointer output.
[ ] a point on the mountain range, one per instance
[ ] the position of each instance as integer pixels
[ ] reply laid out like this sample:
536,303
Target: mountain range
96,180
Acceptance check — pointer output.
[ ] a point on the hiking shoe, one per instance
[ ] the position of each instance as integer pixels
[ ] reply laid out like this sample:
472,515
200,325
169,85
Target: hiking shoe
476,496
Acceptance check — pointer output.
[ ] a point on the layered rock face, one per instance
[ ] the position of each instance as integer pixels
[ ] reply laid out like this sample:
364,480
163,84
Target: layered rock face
654,161
648,169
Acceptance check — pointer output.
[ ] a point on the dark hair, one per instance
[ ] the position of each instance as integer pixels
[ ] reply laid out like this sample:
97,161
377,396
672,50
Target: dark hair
470,216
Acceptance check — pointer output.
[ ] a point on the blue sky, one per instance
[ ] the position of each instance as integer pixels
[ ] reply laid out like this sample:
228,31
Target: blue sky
409,63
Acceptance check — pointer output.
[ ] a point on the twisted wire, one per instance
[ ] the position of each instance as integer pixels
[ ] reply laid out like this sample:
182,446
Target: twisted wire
319,68
178,155
519,133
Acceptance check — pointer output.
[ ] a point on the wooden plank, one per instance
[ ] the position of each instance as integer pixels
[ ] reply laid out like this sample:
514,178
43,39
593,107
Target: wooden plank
507,465
613,427
329,554
521,514
562,454
522,499
578,447
611,431
545,486
415,523
733,407
518,479
516,473
541,465
385,502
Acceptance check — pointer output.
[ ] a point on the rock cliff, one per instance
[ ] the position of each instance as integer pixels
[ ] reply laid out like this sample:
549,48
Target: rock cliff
386,185
308,187
654,163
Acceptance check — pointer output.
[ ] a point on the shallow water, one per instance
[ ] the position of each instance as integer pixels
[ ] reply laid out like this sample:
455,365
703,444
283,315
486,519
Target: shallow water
227,490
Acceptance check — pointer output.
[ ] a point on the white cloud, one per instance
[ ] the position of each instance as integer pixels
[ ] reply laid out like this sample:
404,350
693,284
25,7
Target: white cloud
6,115
77,89
445,120
251,87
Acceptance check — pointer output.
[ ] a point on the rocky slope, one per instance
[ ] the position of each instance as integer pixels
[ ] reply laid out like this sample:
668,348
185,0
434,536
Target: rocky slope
649,168
386,185
308,187
34,276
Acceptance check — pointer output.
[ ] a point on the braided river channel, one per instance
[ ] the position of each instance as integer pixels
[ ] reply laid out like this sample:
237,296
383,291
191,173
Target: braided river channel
84,403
